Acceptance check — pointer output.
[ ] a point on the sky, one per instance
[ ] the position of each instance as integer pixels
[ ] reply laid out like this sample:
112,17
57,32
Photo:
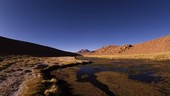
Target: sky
72,25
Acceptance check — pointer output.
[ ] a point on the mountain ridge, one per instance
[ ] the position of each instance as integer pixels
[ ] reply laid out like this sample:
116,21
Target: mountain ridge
161,44
17,47
83,51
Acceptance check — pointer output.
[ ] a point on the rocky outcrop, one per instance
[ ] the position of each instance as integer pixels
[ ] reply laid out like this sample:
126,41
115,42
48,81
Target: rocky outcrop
124,48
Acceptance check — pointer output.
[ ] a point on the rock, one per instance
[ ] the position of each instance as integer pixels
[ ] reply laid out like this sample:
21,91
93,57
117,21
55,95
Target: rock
124,48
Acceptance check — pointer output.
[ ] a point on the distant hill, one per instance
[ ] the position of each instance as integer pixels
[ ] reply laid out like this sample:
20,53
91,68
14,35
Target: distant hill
84,51
153,46
15,47
105,50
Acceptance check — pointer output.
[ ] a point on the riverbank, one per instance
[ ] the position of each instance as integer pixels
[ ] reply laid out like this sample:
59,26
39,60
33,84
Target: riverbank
111,77
162,56
28,76
50,76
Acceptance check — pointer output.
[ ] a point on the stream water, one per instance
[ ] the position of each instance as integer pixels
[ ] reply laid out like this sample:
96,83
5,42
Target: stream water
134,73
87,74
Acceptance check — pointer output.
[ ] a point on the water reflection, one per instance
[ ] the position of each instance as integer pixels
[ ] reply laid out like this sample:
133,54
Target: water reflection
139,73
87,74
145,77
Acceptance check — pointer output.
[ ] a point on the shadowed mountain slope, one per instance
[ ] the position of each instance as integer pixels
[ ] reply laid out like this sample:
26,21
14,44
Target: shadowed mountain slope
16,47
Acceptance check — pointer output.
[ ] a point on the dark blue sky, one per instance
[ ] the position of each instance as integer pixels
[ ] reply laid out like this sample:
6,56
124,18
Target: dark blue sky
75,24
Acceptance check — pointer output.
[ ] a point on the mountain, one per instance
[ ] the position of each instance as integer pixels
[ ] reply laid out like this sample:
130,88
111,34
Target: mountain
16,47
161,44
105,50
84,51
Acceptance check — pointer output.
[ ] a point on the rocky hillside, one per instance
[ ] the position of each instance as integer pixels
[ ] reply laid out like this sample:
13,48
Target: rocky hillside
106,50
15,47
153,46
